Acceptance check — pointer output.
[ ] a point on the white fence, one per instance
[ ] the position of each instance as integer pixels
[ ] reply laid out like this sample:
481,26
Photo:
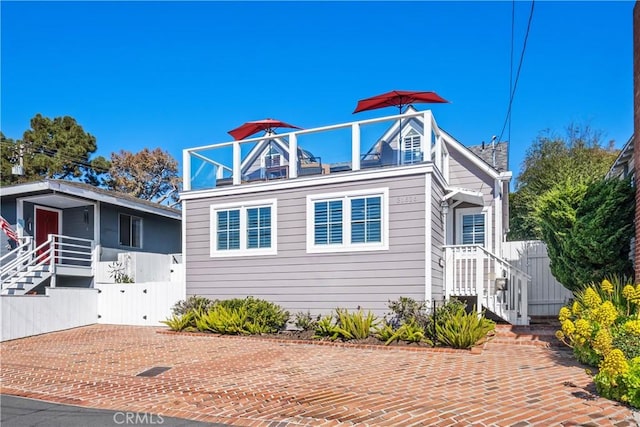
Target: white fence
58,309
144,304
546,294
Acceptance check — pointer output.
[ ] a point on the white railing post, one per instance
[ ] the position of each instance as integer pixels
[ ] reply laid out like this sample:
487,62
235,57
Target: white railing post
480,282
186,170
355,147
449,272
293,155
237,160
52,259
95,254
426,138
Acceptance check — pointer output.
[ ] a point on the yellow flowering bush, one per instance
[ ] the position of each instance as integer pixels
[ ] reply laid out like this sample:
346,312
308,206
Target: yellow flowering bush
605,314
564,314
591,299
632,327
602,342
619,379
614,363
602,326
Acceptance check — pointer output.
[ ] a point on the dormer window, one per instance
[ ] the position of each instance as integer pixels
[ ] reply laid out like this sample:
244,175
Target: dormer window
411,148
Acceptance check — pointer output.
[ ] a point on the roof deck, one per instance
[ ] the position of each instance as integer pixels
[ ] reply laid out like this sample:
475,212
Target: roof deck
390,141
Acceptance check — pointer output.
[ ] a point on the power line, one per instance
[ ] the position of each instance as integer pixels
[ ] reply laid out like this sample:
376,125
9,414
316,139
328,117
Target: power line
76,161
515,84
513,27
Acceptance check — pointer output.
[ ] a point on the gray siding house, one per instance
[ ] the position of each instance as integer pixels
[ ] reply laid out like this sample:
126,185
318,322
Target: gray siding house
416,215
66,227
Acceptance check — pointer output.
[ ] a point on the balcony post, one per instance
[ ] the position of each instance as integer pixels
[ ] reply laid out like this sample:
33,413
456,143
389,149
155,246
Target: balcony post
293,155
355,147
186,170
427,130
237,173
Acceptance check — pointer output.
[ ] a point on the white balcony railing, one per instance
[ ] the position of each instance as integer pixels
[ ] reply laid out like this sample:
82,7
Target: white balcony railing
473,271
224,161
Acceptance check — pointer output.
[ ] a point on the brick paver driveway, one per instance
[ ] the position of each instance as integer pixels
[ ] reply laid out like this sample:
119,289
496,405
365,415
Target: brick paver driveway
258,382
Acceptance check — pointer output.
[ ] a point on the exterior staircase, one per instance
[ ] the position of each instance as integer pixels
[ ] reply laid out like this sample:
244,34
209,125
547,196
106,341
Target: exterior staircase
491,283
26,266
32,278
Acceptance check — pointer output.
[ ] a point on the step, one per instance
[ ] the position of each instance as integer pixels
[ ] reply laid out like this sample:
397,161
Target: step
532,335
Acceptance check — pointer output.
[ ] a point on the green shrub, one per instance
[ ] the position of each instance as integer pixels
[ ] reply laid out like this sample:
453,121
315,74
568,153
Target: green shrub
193,303
460,329
356,325
181,322
326,328
628,342
410,331
305,321
223,320
346,325
264,315
407,309
384,332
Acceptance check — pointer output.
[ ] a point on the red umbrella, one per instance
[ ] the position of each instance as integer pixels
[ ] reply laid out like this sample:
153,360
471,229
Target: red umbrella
249,128
398,98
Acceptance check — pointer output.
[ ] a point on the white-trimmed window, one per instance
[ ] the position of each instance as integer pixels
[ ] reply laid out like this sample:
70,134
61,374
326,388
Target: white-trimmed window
130,231
244,229
412,149
349,221
472,226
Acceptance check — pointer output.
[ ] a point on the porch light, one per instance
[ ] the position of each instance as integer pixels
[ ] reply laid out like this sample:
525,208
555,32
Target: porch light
445,207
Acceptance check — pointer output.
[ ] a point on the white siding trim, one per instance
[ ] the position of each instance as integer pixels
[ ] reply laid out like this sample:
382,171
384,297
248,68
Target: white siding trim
183,225
244,251
428,239
346,245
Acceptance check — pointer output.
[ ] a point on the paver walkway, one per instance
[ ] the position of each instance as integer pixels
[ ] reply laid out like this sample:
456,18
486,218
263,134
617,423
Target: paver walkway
249,382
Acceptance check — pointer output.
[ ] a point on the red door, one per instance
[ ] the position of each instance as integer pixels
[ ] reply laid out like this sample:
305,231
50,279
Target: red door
47,222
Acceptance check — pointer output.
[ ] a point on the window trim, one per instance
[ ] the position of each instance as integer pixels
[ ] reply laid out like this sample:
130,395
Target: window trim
346,245
214,252
120,214
460,212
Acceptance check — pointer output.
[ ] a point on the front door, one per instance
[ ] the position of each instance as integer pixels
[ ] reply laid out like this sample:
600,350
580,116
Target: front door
47,222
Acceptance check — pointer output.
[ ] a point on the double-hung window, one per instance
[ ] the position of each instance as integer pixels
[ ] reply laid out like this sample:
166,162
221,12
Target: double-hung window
350,221
130,231
244,229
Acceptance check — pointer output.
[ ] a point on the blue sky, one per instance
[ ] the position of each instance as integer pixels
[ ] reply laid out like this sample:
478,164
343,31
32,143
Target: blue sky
178,75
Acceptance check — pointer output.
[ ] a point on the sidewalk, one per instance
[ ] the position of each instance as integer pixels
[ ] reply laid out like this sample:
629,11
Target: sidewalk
21,412
253,382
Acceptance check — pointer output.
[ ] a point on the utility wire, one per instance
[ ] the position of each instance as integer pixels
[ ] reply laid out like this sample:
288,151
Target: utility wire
513,27
515,84
77,161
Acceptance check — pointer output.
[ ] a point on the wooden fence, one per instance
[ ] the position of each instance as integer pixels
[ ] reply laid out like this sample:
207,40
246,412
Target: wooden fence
546,295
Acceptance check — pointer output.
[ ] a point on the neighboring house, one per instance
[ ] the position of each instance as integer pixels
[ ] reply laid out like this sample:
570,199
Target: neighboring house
623,166
67,227
425,218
